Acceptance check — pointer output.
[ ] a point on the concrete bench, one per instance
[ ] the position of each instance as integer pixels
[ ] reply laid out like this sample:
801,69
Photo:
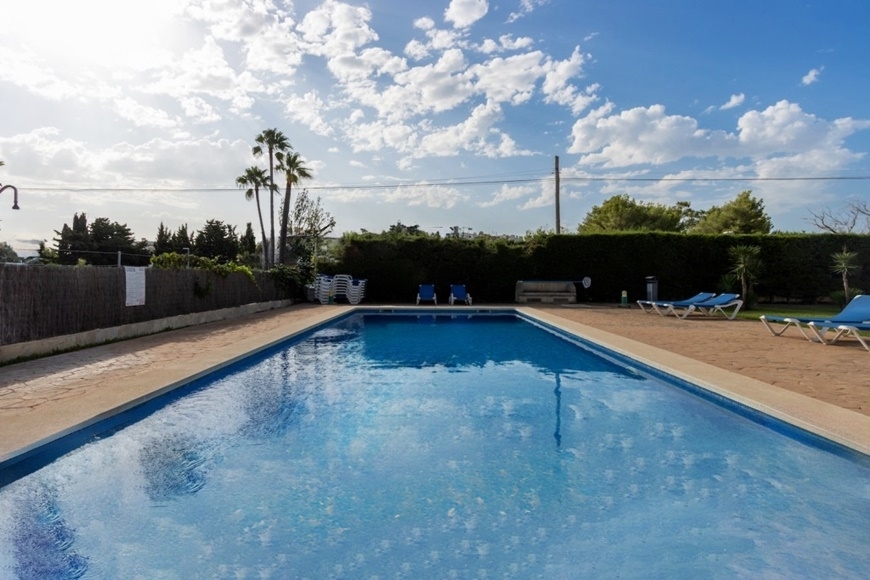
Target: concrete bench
560,291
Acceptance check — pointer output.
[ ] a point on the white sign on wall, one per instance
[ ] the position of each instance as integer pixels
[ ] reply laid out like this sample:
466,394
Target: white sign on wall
135,279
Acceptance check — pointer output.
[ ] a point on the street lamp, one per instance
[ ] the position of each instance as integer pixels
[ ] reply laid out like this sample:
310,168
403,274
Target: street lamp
14,192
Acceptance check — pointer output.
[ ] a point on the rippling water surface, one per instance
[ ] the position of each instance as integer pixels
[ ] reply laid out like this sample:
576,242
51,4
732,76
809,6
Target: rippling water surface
438,447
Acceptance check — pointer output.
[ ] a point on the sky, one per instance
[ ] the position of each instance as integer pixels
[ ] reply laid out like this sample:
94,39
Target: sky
444,113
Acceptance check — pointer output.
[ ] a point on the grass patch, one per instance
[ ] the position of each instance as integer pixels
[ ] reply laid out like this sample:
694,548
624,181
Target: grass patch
793,310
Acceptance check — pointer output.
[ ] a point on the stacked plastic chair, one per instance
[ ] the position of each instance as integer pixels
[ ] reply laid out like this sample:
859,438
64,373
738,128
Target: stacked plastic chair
328,289
341,284
357,291
323,288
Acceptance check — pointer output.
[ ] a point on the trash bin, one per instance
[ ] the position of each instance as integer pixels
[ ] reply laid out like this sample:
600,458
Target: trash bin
652,288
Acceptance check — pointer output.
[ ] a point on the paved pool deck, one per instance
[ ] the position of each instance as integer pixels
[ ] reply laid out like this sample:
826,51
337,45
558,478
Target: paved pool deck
44,399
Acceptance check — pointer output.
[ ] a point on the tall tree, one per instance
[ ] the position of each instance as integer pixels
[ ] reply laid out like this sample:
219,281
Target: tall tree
275,142
7,254
623,213
254,178
218,241
163,243
311,223
248,241
182,239
99,242
855,216
742,215
294,170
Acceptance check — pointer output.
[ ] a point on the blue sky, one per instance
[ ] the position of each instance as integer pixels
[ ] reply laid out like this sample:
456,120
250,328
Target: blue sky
440,113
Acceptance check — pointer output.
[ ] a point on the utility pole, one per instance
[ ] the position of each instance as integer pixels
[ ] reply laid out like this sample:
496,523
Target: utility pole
558,219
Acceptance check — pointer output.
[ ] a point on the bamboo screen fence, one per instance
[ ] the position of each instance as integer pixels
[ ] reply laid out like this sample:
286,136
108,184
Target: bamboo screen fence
39,302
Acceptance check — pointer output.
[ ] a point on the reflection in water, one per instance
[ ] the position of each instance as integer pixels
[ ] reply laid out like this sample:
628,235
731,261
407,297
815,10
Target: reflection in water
173,466
558,392
43,541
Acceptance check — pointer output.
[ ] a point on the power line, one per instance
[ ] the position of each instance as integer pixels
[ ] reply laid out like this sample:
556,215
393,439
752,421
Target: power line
448,182
824,178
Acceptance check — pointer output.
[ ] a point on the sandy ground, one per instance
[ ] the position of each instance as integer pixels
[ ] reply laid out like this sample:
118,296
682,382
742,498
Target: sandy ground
838,374
43,398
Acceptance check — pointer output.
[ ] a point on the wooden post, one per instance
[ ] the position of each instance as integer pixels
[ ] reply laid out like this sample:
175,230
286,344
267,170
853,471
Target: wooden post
558,218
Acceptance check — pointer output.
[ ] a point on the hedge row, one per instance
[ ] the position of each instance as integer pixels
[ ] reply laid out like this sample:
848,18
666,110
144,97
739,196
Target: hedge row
797,266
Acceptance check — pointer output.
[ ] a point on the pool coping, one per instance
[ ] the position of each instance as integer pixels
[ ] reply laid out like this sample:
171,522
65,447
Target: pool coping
25,435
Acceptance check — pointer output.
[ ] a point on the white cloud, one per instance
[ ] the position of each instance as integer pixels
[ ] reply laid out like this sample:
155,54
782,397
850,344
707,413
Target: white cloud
204,70
381,134
336,29
432,196
734,101
642,135
526,8
508,193
781,128
505,42
198,110
469,135
546,197
52,159
779,141
142,115
309,110
509,79
464,13
557,88
812,76
424,23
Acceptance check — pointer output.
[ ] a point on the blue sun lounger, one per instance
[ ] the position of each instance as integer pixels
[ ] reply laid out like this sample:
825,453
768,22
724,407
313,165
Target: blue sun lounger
856,312
843,330
426,293
458,294
665,307
717,304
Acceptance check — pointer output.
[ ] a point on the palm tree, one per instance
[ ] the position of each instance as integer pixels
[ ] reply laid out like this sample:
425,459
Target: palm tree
845,264
275,142
293,168
746,264
254,178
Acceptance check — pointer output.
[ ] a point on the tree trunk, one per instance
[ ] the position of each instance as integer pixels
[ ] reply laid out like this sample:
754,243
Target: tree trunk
262,227
271,210
285,226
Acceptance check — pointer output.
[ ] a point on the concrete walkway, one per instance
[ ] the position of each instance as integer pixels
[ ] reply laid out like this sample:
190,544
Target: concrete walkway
44,399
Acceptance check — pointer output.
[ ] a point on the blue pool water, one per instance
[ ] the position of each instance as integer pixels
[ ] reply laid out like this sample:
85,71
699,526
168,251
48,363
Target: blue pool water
439,447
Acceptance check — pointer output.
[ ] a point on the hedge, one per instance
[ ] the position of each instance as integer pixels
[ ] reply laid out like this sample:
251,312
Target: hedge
797,266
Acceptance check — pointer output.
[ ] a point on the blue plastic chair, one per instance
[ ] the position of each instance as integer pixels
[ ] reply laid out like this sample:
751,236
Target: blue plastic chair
458,294
717,304
426,292
857,311
665,307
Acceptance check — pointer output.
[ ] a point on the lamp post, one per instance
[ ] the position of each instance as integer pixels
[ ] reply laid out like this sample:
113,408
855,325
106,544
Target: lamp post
14,192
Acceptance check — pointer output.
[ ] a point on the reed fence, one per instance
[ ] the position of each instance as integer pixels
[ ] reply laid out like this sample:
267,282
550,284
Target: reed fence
38,302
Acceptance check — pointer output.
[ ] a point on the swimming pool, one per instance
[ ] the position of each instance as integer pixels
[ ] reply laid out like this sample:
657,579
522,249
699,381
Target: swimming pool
439,446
